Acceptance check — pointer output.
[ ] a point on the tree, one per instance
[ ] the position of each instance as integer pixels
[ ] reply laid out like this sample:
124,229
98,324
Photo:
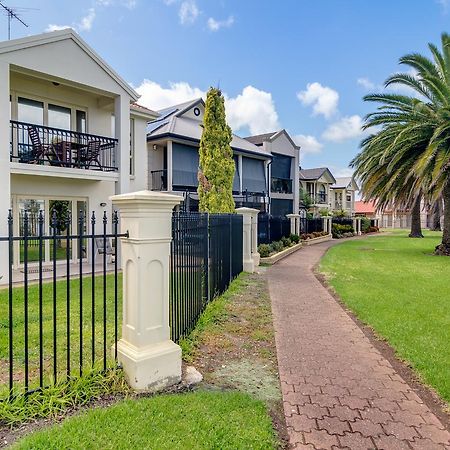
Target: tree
436,212
216,172
411,152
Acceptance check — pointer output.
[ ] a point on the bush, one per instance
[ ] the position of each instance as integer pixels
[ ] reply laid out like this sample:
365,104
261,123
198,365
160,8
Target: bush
277,246
295,238
314,234
286,241
338,231
373,230
264,250
365,224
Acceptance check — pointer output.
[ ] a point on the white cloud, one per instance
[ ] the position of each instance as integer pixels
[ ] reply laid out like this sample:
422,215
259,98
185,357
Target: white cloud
341,172
308,144
154,96
87,21
188,12
367,84
216,25
253,109
323,99
445,4
53,27
348,127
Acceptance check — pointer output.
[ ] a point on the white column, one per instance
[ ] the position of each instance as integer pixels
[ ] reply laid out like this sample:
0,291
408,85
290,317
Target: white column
169,166
250,244
295,223
5,179
151,361
330,224
355,225
325,223
122,126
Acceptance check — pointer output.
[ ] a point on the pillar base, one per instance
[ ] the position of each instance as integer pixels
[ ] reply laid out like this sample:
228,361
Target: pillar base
151,368
256,259
248,266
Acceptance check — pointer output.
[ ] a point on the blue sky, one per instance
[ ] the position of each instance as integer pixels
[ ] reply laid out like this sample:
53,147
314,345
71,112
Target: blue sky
296,64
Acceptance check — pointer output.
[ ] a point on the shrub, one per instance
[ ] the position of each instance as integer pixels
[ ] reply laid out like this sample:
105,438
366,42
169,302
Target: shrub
365,224
286,241
295,238
373,230
324,212
264,250
277,246
338,230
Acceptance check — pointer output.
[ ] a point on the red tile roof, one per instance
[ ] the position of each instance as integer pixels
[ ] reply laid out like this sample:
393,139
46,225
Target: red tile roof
364,207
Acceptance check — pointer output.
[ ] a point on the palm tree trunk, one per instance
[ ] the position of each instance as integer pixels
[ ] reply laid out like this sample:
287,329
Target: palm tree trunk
416,229
444,247
436,216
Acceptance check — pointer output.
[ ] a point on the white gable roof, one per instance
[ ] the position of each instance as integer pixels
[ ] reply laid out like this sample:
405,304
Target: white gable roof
62,35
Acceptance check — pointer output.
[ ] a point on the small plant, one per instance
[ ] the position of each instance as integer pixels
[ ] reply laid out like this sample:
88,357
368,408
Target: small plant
338,231
365,224
264,250
324,212
286,241
277,246
373,230
340,213
295,238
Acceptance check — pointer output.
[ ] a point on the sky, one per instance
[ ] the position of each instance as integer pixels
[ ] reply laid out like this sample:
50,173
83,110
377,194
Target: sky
302,65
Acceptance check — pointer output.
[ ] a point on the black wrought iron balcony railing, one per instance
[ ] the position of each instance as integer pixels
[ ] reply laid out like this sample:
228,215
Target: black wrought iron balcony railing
281,185
41,145
159,180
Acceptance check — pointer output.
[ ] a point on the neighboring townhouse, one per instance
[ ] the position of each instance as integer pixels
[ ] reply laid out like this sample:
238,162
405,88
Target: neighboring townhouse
316,184
366,209
173,141
343,195
70,131
283,170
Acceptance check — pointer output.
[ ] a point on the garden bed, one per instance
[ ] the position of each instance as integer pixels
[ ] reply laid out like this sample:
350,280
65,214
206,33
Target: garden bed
280,255
317,240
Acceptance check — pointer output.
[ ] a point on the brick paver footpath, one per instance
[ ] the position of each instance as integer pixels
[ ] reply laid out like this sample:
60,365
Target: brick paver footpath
338,390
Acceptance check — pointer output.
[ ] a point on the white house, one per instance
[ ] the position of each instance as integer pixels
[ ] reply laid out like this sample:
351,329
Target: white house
70,130
343,195
316,184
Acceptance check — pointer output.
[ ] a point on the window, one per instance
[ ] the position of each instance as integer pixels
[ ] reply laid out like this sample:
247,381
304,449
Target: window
185,162
81,121
253,175
131,146
59,117
349,197
280,207
30,111
236,179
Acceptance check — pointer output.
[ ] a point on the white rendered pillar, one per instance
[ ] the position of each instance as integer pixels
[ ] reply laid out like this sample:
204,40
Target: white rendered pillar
150,359
250,238
330,224
5,179
122,128
295,223
358,220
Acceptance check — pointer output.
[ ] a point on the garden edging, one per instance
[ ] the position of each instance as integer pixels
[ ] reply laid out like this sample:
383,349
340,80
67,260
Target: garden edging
318,240
280,255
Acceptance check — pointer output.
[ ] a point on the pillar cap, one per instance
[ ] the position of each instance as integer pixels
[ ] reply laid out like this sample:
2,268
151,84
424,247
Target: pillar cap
247,210
147,198
292,215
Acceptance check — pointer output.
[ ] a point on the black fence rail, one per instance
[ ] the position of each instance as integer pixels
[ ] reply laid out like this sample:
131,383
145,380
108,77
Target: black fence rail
206,255
311,225
343,221
37,144
58,319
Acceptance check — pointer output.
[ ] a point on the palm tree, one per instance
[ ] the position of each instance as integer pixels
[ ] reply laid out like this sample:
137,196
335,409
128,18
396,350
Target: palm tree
415,132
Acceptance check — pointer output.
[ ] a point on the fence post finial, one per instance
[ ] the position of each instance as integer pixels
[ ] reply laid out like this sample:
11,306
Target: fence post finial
150,359
250,239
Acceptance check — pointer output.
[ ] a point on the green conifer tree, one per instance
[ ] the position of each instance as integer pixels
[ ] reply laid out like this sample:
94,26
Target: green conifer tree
216,172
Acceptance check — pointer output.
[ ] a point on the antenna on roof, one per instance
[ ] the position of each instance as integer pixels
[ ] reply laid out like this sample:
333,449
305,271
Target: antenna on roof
12,13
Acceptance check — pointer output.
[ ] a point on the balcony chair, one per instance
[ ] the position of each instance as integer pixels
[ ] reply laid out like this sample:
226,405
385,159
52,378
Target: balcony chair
38,149
89,155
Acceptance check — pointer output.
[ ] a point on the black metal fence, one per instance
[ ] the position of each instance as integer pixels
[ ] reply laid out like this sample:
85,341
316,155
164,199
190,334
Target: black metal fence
311,225
206,255
272,228
60,318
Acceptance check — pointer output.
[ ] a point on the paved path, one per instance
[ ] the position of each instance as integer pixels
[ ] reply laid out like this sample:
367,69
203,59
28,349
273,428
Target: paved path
338,390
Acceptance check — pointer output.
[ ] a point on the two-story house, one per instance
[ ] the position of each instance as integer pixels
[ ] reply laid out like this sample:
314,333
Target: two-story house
343,195
70,132
173,160
283,170
316,185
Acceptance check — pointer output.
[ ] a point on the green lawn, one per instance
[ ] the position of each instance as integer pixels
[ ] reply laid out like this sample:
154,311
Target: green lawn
61,327
200,420
394,284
